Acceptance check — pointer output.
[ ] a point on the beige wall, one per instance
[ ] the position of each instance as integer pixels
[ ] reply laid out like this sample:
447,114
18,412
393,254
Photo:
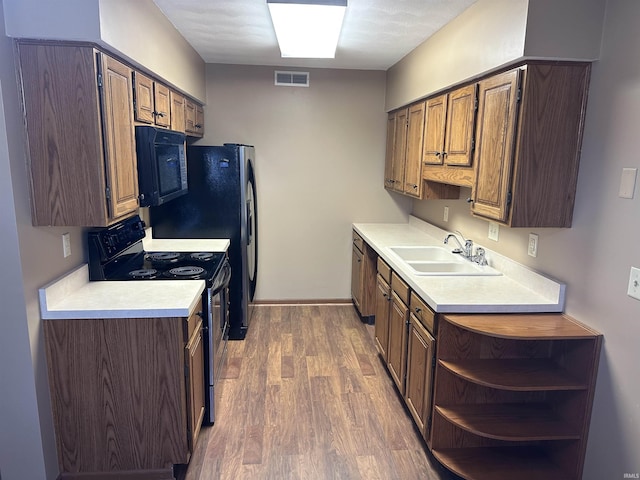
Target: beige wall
319,168
136,30
594,256
491,34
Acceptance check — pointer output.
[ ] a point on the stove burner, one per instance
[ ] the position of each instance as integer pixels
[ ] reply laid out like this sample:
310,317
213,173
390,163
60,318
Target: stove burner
202,256
143,273
163,256
188,271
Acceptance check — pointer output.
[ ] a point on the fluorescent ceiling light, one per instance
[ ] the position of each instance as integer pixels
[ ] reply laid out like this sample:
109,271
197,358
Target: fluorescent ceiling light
307,28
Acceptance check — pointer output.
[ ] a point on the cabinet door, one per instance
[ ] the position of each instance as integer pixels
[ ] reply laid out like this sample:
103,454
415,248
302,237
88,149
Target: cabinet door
434,128
388,162
400,150
162,104
199,126
460,120
383,307
413,160
177,111
420,355
497,116
356,277
397,353
143,98
194,352
119,137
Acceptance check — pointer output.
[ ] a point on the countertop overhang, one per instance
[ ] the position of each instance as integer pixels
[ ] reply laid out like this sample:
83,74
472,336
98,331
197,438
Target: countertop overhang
518,290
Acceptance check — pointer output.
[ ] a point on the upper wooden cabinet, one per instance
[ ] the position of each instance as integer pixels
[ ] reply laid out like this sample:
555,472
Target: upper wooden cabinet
151,103
448,138
178,104
194,119
399,150
529,133
80,134
412,184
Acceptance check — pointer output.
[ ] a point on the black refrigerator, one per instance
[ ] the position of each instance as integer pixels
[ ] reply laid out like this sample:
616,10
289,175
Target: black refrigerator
220,203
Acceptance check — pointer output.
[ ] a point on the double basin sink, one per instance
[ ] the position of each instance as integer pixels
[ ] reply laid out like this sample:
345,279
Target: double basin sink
427,260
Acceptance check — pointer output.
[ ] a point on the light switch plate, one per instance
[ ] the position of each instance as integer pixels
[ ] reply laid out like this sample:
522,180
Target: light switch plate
532,250
634,283
66,245
494,231
627,182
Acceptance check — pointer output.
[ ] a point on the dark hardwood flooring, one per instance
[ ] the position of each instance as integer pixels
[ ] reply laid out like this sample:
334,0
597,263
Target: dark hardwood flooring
306,396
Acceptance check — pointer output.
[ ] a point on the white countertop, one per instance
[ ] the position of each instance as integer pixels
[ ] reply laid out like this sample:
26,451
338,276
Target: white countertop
518,290
151,244
73,296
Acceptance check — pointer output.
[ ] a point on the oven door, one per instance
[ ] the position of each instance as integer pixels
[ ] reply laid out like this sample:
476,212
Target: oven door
217,336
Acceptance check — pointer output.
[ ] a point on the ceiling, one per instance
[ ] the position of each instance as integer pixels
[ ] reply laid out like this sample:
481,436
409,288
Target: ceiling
375,33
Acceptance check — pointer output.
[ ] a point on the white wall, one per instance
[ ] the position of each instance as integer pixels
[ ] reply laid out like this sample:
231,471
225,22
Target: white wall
594,256
319,168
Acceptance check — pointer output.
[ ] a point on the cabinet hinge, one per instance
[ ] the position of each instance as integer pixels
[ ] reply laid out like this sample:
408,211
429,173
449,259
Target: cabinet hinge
186,371
429,423
99,80
509,198
433,362
518,95
473,144
475,103
107,193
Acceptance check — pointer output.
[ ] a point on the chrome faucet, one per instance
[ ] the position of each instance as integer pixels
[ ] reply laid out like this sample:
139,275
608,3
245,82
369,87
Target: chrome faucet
467,250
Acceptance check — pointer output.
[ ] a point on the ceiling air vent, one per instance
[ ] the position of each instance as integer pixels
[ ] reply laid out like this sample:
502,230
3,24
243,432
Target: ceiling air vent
292,79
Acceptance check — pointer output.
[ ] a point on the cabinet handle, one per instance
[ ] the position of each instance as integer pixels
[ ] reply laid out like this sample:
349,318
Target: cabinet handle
437,154
418,309
200,314
469,200
443,154
158,114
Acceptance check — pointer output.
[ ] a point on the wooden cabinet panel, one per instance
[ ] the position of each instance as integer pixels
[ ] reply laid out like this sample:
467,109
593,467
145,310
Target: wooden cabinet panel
400,150
194,119
162,104
397,351
434,130
420,363
363,277
458,147
356,277
413,156
497,115
143,98
391,139
383,308
194,357
177,111
119,138
80,135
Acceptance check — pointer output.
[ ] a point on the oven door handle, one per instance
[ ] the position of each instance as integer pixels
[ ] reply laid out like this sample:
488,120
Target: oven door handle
224,276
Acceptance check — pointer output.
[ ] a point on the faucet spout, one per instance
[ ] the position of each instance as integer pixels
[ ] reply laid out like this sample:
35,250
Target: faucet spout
465,250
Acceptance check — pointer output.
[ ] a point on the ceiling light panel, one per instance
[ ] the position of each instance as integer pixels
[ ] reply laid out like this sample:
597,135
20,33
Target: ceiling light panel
307,29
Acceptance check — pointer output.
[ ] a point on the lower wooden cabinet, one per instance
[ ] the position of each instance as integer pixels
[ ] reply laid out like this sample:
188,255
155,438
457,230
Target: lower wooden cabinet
363,277
127,394
398,325
513,395
383,308
420,363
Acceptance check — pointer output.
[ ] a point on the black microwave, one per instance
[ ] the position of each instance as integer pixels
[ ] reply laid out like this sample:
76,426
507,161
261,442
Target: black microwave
162,165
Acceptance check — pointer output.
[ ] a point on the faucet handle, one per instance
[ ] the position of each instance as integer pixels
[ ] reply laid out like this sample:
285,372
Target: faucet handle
479,257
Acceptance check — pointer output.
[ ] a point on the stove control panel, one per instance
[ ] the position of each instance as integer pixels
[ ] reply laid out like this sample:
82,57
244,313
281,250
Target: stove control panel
110,241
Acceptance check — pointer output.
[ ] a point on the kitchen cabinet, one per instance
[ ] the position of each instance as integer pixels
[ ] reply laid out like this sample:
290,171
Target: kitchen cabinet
449,137
513,395
403,161
80,134
127,393
529,132
420,363
363,277
398,330
178,104
383,308
152,103
194,119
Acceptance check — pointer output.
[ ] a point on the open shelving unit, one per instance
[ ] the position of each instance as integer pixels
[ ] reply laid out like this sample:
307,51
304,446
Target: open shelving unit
513,395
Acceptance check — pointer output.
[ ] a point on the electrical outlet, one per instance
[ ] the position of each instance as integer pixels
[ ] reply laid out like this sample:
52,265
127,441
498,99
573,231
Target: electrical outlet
494,231
532,251
634,283
445,217
66,245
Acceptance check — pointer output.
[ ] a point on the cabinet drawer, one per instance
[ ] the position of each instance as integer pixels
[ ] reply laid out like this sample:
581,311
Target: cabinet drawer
384,270
422,312
192,321
357,241
401,288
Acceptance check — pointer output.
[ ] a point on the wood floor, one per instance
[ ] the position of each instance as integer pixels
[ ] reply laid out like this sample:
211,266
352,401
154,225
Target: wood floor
305,396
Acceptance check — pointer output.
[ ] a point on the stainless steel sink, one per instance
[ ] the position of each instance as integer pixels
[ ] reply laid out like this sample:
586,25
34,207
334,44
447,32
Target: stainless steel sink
434,261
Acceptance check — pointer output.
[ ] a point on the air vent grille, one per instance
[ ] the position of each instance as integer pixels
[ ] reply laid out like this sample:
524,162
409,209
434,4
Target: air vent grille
292,79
